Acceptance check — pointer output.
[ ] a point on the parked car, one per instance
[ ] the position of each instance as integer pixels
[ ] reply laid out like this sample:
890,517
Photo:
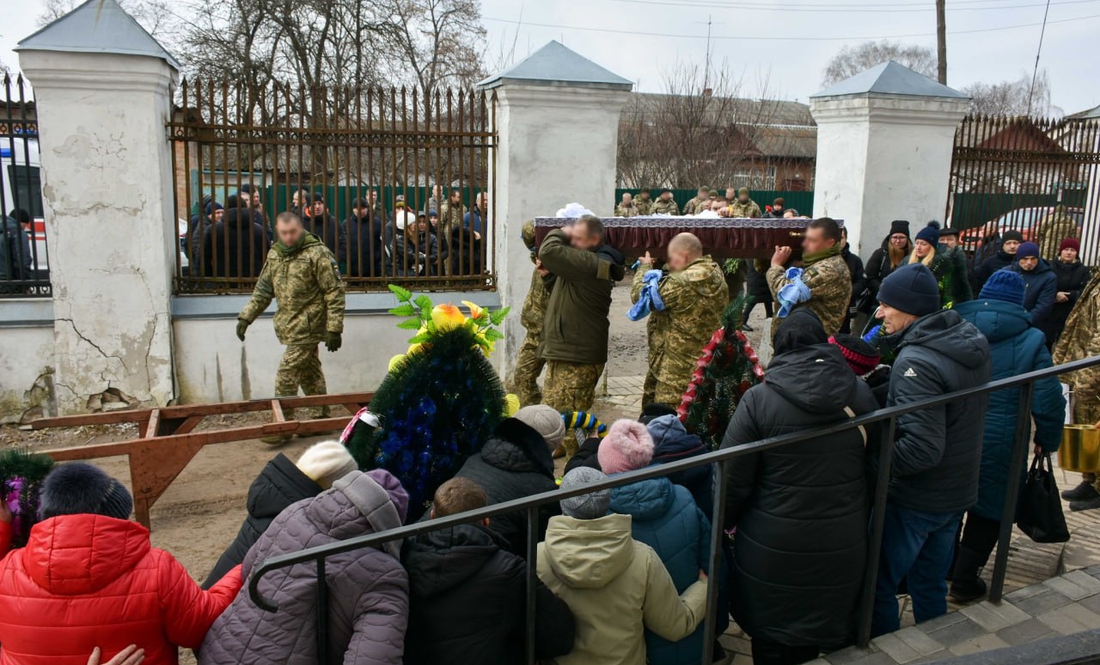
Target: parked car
21,186
1024,220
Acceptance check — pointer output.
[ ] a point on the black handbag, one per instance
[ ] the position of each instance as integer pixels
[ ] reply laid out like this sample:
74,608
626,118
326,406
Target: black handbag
1039,513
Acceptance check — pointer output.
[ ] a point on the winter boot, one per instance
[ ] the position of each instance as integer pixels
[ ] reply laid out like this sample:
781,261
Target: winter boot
1088,504
966,586
1083,492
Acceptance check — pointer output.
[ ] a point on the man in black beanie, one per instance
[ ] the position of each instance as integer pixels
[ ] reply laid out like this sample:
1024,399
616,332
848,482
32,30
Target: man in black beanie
937,450
1003,256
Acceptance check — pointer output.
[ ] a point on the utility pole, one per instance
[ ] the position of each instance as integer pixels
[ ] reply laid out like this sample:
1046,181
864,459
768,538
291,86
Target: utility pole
941,40
706,73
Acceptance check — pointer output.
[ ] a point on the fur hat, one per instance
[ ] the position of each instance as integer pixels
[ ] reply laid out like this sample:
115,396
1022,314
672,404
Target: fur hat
326,462
627,446
1006,286
589,506
546,421
862,357
79,488
930,234
912,288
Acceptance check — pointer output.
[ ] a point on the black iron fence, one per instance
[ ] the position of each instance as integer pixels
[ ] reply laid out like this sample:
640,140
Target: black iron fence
364,168
1038,176
24,257
720,459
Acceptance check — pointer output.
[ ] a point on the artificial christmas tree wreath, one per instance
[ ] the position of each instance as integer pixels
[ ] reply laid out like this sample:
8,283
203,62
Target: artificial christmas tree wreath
440,401
21,476
727,368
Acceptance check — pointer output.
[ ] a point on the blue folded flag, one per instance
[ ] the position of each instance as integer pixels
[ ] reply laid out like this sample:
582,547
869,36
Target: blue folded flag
794,293
650,298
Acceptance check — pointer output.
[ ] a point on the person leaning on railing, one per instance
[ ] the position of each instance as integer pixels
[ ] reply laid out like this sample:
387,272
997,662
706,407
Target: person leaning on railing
937,450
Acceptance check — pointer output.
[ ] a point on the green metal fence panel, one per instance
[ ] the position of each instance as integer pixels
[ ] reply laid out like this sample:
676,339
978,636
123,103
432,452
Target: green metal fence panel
803,202
972,209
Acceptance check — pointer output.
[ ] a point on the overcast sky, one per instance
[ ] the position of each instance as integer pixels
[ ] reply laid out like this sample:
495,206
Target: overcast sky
785,41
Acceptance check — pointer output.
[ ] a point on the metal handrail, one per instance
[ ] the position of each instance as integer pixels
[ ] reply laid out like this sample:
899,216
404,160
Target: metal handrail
720,458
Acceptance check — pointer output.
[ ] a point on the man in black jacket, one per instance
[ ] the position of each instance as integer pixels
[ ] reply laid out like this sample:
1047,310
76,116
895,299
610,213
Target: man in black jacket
467,595
1004,256
363,241
937,450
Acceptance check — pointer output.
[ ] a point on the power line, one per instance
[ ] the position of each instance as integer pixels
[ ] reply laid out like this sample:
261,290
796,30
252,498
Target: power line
772,38
842,8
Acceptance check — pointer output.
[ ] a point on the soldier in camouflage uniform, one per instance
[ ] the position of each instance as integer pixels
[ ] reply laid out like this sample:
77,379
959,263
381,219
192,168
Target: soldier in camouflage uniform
825,272
627,207
694,295
644,202
1052,230
745,206
665,204
698,204
303,276
528,363
1081,339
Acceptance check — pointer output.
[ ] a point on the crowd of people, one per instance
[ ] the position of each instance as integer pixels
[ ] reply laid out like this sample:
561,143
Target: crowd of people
735,203
622,574
442,239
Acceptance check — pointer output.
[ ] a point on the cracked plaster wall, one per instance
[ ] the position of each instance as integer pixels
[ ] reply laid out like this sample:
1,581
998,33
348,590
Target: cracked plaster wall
106,172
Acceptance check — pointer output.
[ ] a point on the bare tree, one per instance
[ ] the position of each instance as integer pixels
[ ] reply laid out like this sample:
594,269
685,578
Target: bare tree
691,134
850,61
1013,98
153,15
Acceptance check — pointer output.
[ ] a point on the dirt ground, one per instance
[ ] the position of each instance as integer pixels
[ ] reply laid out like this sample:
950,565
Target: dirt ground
199,515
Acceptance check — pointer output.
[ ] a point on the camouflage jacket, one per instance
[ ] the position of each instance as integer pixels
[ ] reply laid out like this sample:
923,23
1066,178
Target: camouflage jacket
1081,339
626,211
305,279
696,205
534,307
1055,227
645,208
830,291
450,218
694,298
668,207
748,210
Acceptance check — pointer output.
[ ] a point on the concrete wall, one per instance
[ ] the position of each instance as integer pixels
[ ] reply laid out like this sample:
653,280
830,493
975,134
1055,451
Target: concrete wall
882,158
548,134
26,359
107,189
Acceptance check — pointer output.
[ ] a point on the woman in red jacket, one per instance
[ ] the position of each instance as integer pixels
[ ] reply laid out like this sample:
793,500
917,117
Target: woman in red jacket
89,578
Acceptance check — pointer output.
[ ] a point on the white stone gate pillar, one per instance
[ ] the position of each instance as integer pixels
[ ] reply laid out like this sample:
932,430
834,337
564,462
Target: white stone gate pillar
102,88
558,126
884,143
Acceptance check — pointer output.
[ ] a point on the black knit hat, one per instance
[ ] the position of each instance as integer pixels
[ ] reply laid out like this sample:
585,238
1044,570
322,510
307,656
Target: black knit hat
899,226
79,488
1012,234
801,329
912,288
655,410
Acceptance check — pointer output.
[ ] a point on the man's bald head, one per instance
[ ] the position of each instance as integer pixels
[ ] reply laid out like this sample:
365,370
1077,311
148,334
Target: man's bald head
684,249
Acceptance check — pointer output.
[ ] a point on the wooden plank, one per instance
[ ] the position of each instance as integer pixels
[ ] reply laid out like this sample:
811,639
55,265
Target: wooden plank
277,411
152,427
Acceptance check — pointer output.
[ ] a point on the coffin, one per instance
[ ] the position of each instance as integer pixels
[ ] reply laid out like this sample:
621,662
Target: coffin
721,237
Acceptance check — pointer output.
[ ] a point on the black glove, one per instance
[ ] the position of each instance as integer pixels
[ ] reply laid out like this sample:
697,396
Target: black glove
242,326
333,341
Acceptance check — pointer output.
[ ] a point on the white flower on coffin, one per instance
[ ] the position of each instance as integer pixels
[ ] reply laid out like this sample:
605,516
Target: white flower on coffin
574,211
708,214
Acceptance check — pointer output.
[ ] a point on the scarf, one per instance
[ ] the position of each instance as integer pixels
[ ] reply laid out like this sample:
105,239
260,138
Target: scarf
287,250
810,259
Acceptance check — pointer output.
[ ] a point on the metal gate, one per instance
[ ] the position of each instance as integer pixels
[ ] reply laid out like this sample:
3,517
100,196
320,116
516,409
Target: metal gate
358,165
1039,176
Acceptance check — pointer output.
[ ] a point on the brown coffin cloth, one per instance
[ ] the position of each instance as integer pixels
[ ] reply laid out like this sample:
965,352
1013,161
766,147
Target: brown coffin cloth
721,237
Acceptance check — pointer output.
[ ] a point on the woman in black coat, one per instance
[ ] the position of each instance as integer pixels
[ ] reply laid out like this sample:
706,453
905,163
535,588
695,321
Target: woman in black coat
235,246
895,250
1073,276
800,510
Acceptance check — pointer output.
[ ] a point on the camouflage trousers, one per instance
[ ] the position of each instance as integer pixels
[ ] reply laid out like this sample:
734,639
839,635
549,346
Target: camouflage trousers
301,367
570,386
528,367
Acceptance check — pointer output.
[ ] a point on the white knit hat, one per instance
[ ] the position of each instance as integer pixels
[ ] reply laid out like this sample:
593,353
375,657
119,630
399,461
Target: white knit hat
546,421
326,462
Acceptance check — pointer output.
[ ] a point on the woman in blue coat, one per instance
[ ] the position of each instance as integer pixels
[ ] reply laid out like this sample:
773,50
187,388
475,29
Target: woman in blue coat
665,517
1017,348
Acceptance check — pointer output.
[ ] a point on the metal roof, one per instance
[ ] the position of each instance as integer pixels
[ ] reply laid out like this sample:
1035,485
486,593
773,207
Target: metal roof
1086,115
97,26
555,64
890,78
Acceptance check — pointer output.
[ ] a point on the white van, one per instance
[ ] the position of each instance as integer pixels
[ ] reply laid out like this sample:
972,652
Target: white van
21,187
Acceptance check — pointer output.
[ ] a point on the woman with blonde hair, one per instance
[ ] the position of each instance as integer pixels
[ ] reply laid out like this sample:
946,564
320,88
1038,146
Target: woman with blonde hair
951,277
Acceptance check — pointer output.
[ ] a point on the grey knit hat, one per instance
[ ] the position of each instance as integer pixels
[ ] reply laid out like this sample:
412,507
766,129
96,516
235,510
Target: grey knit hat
546,421
79,488
586,506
